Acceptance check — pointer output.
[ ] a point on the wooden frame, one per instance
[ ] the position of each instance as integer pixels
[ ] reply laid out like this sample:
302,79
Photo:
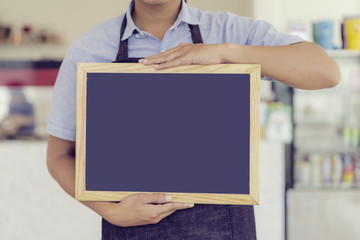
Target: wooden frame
253,69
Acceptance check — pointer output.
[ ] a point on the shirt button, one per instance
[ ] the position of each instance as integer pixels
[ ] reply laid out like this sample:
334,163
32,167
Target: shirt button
163,50
142,34
137,35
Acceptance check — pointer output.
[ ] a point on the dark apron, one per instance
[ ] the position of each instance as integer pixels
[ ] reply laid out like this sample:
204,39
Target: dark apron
203,221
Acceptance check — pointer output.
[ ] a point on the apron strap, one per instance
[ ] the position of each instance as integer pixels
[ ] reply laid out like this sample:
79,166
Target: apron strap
123,45
195,34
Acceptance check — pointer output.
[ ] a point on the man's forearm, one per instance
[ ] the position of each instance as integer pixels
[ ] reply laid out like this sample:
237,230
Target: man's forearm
303,65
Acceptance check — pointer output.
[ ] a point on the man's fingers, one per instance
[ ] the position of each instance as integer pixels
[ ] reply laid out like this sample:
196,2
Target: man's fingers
150,59
172,206
164,56
155,198
172,63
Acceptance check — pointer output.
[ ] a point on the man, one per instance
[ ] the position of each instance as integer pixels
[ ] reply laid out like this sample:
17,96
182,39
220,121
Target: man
168,33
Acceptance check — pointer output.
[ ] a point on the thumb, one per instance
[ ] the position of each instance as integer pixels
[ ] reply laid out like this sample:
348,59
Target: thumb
157,198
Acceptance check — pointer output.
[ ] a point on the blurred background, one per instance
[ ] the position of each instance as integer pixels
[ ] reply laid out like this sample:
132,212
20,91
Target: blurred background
309,161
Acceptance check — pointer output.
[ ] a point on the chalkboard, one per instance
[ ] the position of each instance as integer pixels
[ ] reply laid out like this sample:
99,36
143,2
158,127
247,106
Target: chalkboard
192,131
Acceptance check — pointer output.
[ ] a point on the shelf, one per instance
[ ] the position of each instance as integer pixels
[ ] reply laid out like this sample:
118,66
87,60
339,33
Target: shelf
317,122
32,52
325,150
355,190
344,53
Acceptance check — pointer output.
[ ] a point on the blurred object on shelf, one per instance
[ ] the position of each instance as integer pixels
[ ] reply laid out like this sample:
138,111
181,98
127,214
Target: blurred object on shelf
357,170
17,38
30,43
302,172
5,33
327,130
309,111
351,136
275,122
328,120
278,122
275,112
350,31
316,170
325,170
267,94
54,37
337,170
27,121
25,98
348,171
323,32
298,27
28,34
43,36
19,120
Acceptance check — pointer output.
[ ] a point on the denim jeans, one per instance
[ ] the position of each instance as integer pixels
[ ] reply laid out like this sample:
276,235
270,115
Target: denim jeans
202,222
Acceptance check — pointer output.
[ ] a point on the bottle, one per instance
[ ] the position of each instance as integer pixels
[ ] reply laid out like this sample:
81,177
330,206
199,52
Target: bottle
302,172
355,137
315,161
356,160
348,171
306,172
326,170
347,136
337,170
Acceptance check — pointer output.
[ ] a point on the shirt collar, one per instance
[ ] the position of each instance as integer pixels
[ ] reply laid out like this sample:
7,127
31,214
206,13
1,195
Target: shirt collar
130,25
185,15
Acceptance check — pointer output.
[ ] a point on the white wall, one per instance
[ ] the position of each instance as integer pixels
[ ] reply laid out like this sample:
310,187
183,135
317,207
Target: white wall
32,205
270,214
280,12
330,215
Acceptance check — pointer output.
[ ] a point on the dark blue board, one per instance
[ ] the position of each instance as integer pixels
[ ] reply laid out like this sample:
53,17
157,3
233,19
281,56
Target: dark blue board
168,132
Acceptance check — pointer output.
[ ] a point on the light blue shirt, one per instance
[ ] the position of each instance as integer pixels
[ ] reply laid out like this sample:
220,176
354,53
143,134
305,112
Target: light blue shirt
101,45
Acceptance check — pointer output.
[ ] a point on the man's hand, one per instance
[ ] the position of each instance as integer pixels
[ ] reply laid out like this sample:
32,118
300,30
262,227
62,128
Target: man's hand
303,65
138,209
133,210
186,54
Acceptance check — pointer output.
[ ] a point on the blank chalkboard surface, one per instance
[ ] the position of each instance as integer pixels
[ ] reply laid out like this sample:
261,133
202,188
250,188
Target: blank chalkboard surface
191,131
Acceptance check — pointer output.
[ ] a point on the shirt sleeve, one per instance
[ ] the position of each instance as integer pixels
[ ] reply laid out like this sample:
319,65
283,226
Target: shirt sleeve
62,118
262,33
